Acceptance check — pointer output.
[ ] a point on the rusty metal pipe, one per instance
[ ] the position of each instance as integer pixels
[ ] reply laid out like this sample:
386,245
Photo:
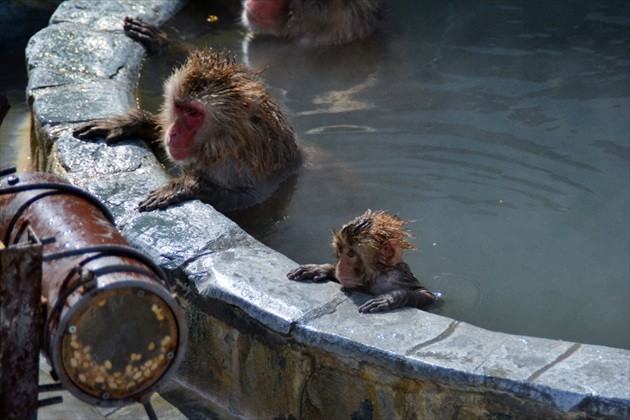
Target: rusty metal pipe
113,331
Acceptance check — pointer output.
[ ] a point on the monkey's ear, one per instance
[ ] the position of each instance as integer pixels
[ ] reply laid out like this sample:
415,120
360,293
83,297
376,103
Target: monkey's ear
393,251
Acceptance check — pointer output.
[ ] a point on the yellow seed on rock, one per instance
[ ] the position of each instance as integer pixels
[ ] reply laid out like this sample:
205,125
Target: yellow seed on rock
73,362
107,364
87,349
99,379
74,344
151,345
130,385
82,378
137,376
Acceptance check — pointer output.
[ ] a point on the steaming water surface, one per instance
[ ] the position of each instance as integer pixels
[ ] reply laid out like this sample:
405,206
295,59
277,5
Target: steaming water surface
501,128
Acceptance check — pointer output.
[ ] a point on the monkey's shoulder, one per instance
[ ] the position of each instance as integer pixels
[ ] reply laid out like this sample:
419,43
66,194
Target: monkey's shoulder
399,276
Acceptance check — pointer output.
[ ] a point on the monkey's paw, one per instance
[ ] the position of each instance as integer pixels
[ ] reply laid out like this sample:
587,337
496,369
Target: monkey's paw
315,272
378,304
160,198
109,130
153,38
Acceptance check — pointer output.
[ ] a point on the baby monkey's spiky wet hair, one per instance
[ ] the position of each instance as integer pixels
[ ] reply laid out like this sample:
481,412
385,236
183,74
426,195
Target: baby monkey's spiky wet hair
371,232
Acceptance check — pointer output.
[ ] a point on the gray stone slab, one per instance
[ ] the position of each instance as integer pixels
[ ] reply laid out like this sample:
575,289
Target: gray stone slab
95,158
121,192
77,103
177,236
69,52
119,175
481,356
111,13
592,371
43,77
384,338
253,277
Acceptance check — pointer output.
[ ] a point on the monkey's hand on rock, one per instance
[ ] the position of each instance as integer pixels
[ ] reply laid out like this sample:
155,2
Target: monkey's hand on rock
417,298
110,130
315,272
134,123
175,191
153,38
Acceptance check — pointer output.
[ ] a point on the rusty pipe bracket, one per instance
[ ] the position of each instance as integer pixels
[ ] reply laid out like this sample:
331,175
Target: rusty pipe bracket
108,250
85,276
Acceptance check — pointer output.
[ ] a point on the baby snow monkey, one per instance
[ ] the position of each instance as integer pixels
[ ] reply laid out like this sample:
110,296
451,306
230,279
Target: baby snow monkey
369,251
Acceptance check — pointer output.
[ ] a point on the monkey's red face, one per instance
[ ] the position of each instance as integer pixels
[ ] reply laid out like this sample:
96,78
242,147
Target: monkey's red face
180,136
349,270
266,15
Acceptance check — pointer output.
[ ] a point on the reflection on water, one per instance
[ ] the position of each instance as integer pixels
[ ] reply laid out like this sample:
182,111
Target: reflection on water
501,128
464,294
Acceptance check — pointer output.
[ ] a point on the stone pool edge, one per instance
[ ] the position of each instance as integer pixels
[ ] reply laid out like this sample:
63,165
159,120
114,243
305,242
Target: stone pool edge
261,344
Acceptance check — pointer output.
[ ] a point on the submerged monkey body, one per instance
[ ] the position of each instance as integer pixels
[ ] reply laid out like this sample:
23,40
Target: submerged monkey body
369,257
312,22
218,124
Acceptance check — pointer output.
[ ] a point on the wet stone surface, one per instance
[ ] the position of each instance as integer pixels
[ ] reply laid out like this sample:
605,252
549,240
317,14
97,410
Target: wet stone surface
79,54
242,272
88,158
109,14
82,67
382,338
81,102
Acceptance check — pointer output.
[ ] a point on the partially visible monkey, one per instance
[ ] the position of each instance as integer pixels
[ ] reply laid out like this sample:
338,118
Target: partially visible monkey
312,22
152,37
369,251
308,22
217,123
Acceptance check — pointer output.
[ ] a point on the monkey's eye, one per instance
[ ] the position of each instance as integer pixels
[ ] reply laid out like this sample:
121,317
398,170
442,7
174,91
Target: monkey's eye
351,253
192,112
187,110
